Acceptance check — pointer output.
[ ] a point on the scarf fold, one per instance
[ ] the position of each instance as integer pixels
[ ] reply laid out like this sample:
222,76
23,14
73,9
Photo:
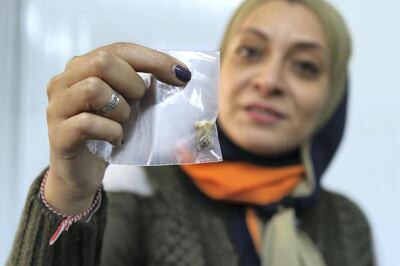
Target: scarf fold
278,241
243,182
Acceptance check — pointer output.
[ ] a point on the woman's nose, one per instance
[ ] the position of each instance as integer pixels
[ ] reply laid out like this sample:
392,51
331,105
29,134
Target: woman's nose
269,79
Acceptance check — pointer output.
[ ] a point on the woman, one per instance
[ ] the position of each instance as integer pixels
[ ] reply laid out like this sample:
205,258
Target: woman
282,107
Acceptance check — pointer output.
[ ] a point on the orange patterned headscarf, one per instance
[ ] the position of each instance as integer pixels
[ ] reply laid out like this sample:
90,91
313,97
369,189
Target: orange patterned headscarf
244,182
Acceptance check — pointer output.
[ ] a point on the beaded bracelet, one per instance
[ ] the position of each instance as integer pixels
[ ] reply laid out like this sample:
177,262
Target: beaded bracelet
67,220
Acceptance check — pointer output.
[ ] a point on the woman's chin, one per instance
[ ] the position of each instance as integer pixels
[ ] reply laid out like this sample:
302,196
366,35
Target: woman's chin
264,149
271,141
261,146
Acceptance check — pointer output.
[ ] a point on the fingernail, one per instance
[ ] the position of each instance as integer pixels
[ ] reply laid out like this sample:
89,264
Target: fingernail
182,73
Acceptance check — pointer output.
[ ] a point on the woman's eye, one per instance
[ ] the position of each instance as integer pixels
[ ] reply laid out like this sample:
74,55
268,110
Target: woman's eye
248,52
306,68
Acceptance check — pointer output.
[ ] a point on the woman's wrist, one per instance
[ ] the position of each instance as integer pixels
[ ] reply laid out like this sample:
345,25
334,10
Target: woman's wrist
64,198
64,212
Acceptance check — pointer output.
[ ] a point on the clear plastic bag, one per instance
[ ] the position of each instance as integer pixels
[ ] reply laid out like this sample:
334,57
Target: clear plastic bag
172,125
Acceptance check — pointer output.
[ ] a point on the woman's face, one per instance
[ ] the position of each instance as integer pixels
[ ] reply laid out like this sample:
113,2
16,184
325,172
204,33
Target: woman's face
274,79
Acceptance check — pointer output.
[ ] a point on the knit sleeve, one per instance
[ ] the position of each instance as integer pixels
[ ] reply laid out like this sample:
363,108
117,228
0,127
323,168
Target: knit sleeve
80,245
340,229
357,232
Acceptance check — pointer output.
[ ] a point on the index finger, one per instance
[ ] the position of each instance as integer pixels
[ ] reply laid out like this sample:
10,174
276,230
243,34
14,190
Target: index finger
142,59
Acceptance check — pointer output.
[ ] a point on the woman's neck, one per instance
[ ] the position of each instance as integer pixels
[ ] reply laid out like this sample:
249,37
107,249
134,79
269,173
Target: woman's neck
232,152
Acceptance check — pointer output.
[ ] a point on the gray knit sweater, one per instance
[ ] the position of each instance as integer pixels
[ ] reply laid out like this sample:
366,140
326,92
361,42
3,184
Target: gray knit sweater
177,225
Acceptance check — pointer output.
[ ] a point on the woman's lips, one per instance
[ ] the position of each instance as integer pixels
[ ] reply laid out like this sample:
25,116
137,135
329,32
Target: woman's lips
264,114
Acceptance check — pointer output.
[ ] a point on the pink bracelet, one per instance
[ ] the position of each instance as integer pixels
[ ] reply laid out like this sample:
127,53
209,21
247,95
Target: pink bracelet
67,220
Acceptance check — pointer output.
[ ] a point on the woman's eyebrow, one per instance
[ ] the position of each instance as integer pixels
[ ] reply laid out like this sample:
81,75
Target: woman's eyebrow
311,46
301,44
264,36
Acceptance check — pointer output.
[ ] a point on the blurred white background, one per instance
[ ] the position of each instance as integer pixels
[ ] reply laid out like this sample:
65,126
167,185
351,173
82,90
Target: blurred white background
37,38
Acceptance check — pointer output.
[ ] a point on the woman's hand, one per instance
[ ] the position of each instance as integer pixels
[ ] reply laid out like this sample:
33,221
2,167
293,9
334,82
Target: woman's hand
76,98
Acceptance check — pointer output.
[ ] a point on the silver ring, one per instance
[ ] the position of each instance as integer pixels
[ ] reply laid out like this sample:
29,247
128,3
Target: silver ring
112,103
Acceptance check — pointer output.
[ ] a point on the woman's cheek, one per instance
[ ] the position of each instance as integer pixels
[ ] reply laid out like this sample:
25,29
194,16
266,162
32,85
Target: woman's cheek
311,109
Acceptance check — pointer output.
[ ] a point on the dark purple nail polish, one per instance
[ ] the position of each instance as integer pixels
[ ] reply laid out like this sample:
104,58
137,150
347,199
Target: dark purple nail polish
182,73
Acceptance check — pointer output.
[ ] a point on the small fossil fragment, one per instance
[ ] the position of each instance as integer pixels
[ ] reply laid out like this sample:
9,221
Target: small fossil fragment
204,134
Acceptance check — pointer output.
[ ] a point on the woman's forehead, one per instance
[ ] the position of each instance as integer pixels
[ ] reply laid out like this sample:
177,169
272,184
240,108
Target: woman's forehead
285,20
